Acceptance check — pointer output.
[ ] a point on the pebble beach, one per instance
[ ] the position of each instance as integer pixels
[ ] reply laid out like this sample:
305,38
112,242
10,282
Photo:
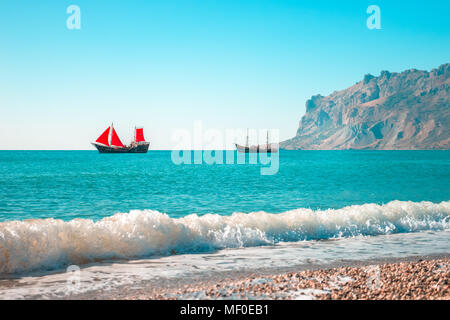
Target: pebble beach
414,280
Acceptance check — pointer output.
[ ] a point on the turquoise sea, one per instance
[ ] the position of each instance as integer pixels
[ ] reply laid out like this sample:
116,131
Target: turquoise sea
85,184
63,207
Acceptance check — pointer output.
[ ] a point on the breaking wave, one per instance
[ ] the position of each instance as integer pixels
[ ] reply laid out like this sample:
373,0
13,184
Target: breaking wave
45,244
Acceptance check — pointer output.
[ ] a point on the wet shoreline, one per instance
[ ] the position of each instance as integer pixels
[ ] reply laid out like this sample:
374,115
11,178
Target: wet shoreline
318,282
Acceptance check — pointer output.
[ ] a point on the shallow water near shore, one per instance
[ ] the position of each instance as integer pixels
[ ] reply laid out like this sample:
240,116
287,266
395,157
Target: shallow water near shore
114,279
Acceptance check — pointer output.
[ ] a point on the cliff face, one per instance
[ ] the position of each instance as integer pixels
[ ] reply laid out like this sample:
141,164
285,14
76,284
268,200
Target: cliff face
408,110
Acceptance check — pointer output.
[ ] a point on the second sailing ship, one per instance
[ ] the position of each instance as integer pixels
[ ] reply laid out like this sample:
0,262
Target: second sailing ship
267,148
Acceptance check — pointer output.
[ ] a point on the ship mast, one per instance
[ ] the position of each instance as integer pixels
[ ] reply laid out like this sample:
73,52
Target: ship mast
267,140
246,143
110,133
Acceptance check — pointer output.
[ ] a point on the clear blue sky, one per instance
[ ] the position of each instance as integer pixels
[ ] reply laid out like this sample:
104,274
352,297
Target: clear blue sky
165,64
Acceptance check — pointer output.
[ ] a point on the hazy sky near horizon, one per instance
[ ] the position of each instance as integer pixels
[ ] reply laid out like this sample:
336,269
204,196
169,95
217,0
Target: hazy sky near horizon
165,64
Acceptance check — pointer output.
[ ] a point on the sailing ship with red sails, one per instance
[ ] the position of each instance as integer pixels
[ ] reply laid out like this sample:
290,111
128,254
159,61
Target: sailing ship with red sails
109,142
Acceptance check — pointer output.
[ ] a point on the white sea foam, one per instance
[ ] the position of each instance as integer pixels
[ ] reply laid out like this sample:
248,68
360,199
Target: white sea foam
48,243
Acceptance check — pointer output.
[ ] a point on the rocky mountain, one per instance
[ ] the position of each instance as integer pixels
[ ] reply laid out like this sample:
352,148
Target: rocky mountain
407,110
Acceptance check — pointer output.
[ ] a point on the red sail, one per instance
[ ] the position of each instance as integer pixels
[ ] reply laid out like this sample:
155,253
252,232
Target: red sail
140,135
103,139
115,141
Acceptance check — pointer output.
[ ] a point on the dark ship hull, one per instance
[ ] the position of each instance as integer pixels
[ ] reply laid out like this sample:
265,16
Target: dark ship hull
141,148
